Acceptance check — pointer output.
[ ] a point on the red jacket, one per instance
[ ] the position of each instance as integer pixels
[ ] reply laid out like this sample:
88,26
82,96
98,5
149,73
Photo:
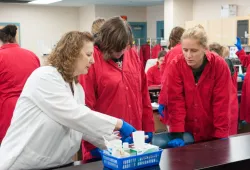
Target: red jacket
234,106
164,68
203,108
169,56
154,75
155,51
16,65
119,93
144,54
245,94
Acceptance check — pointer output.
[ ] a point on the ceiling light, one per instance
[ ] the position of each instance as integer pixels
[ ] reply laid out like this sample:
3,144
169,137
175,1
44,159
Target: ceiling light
44,1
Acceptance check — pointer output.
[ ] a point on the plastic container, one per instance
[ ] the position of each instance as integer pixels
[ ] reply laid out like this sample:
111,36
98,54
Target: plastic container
132,162
139,138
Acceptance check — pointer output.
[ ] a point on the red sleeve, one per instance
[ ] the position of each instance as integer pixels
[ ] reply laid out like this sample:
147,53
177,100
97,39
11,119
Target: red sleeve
147,116
162,99
150,77
89,85
221,100
38,61
176,100
234,79
141,55
244,58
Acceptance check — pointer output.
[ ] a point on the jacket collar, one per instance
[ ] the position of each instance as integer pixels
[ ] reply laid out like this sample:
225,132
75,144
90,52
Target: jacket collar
9,45
208,55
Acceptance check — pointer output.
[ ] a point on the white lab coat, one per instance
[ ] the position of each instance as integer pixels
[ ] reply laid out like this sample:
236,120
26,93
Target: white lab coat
49,123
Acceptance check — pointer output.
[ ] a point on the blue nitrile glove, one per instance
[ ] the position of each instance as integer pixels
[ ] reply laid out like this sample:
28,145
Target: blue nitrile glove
161,109
238,44
241,76
126,130
96,153
150,136
176,143
128,140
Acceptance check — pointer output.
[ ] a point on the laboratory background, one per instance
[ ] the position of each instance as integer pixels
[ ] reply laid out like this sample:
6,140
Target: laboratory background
125,84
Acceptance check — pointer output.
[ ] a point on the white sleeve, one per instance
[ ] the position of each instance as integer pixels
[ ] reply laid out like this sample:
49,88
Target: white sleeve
51,95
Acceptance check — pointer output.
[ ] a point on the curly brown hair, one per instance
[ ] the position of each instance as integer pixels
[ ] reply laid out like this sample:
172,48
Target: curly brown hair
66,53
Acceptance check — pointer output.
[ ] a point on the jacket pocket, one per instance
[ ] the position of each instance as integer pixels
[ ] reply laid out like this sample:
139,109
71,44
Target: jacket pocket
29,159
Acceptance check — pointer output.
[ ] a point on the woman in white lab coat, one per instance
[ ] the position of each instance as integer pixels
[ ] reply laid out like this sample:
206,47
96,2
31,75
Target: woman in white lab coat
50,118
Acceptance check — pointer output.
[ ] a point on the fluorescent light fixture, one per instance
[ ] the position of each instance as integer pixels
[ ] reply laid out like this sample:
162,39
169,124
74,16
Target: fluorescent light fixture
44,1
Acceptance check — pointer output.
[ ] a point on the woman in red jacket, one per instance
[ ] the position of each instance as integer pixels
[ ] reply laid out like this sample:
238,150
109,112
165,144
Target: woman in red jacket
16,65
198,94
245,94
116,84
153,73
224,52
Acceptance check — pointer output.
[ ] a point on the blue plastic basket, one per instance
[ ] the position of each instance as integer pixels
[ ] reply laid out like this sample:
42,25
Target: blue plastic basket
132,162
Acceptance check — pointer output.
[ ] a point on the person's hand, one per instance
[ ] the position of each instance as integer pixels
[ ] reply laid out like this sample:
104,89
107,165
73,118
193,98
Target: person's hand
150,136
128,140
176,143
126,130
96,153
238,44
161,109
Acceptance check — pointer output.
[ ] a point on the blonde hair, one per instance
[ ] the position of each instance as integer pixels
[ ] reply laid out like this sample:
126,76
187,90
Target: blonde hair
97,24
198,33
216,47
64,56
225,52
222,51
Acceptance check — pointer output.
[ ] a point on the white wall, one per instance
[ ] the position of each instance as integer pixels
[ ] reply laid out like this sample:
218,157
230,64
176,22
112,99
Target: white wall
40,23
168,17
86,16
154,13
183,11
134,14
205,10
176,13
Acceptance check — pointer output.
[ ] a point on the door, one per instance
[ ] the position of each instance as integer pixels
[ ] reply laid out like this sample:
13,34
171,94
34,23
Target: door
159,31
242,30
139,30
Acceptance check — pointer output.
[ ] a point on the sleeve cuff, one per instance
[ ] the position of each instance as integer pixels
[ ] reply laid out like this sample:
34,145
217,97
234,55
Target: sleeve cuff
219,134
240,52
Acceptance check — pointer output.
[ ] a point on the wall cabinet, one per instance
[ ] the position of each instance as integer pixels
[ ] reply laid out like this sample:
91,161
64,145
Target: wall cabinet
223,31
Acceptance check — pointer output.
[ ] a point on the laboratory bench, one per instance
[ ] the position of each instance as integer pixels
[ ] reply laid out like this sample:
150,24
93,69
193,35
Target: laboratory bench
227,154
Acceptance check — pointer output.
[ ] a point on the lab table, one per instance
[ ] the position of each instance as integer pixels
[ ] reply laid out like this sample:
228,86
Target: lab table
227,154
